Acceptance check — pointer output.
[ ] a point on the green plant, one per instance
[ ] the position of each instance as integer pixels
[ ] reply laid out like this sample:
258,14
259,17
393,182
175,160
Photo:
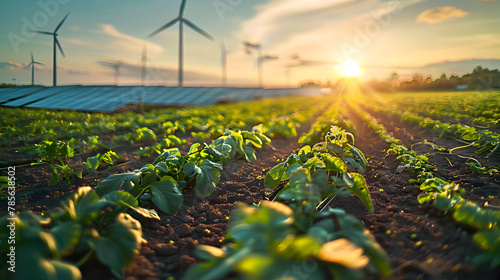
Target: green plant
94,162
267,237
161,183
323,170
55,245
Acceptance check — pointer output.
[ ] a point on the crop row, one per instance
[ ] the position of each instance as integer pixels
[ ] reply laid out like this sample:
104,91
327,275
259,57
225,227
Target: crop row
96,222
446,196
484,140
294,232
32,126
280,118
480,108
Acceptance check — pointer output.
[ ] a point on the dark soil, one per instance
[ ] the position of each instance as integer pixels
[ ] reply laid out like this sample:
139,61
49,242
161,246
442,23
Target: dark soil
422,243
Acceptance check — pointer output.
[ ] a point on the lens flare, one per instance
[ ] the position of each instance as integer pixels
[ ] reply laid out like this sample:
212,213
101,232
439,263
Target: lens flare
350,68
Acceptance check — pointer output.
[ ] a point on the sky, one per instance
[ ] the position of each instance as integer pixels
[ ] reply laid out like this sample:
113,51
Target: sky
302,39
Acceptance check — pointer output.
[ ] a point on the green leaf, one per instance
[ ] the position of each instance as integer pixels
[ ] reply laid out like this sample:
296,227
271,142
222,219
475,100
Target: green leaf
149,179
361,191
117,182
67,235
54,179
274,176
256,141
118,247
314,163
222,148
93,162
107,158
425,198
167,195
249,154
475,216
84,206
65,270
194,148
162,166
116,196
333,163
36,266
281,172
488,239
78,173
208,176
174,139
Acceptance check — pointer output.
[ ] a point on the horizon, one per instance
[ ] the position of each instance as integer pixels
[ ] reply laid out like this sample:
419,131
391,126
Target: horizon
310,39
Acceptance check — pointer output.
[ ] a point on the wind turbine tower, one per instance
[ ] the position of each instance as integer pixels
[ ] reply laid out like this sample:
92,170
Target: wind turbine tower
144,66
56,42
182,20
223,62
32,64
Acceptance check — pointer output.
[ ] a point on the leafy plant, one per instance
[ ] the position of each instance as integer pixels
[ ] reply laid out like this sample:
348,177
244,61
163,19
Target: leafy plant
161,183
321,171
54,246
165,143
267,237
94,162
140,135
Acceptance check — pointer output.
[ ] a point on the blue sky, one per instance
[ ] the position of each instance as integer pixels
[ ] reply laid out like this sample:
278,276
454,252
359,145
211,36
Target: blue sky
309,37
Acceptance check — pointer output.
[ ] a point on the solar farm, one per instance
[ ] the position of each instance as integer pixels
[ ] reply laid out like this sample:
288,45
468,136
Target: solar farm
111,98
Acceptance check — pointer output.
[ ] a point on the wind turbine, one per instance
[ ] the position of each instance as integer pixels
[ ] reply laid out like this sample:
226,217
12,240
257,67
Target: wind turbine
116,67
56,42
223,62
32,64
181,21
144,66
258,49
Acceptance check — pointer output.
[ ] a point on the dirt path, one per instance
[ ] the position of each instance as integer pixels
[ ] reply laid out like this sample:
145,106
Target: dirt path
421,242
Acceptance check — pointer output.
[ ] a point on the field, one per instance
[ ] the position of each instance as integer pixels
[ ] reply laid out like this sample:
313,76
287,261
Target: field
379,186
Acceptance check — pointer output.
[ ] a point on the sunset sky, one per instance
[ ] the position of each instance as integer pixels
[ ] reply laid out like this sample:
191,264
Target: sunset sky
308,37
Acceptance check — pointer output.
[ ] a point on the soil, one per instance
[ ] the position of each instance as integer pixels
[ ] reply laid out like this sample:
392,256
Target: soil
421,242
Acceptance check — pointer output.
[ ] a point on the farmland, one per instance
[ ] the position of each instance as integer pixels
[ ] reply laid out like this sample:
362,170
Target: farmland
395,185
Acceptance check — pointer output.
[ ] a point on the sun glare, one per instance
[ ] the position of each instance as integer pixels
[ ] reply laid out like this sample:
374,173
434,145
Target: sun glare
350,68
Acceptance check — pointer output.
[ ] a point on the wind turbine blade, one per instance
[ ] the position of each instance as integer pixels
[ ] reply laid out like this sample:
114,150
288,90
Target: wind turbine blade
172,22
32,57
197,29
62,21
59,46
43,32
39,63
248,44
183,6
28,65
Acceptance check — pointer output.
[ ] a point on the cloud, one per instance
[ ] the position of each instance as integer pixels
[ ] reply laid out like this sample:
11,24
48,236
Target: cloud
11,65
77,42
440,15
72,71
127,42
269,15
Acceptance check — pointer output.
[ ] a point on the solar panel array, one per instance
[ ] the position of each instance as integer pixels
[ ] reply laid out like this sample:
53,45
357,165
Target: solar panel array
111,98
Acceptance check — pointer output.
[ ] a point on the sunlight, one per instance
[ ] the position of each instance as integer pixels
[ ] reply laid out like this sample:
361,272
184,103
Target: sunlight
350,68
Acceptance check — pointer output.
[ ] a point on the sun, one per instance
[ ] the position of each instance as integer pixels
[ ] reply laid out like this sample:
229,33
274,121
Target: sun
350,68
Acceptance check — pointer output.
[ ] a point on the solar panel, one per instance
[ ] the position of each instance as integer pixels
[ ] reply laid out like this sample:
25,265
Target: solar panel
111,98
15,92
44,93
210,97
57,100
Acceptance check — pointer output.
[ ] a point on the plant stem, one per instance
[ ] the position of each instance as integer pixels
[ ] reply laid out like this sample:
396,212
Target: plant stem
85,258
